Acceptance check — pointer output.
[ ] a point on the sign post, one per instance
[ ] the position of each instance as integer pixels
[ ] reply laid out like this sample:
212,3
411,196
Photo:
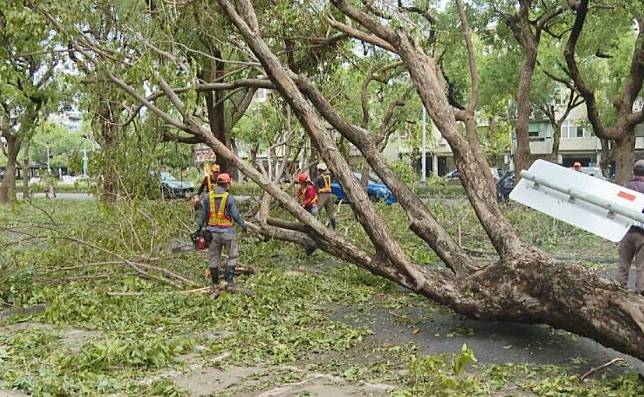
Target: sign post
589,203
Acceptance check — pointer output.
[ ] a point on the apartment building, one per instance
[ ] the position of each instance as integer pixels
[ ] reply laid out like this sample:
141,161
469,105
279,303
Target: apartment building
577,143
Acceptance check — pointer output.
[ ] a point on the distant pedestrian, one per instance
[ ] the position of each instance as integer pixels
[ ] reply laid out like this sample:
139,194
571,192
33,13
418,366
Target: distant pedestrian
577,166
631,248
323,184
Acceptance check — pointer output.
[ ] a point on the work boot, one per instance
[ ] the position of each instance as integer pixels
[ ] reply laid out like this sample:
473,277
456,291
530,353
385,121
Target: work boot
229,274
214,275
309,250
333,223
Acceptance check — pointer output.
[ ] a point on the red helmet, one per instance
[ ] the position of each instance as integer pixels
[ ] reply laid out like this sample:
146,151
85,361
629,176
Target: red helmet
302,178
224,178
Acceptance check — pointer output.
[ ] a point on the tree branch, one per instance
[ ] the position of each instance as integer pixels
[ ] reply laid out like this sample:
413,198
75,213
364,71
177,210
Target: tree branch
471,57
580,85
366,37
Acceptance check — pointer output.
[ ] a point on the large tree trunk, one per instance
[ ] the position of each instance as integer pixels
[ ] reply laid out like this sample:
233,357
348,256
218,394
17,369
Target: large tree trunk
623,154
8,186
215,105
606,155
524,108
25,171
556,141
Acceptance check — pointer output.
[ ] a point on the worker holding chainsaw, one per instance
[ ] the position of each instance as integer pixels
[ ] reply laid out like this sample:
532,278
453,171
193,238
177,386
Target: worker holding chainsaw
307,195
219,213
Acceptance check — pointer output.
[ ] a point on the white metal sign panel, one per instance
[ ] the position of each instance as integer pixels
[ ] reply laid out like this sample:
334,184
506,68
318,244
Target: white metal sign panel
597,206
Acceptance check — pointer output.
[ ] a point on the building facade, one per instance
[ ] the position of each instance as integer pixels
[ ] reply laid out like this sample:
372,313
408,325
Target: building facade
577,142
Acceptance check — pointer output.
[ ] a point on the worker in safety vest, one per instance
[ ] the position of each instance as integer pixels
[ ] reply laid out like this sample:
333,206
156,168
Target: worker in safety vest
307,195
208,183
210,179
219,213
631,248
323,184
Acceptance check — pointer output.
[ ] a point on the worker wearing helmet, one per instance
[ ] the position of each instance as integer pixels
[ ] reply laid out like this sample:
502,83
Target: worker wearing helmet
219,213
210,179
307,195
323,184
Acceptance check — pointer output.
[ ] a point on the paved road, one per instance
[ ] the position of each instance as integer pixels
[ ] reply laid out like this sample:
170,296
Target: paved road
64,196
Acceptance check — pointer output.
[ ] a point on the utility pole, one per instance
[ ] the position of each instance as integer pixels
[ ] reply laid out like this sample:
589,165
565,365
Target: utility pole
423,159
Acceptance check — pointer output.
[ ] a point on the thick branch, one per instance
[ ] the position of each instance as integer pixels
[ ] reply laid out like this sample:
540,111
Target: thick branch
360,35
471,57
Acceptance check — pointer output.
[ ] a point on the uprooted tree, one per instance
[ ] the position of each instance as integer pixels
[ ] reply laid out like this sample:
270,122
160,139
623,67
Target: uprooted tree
524,285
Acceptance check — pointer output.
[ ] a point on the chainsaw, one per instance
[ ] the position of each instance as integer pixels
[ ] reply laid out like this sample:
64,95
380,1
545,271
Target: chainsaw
200,242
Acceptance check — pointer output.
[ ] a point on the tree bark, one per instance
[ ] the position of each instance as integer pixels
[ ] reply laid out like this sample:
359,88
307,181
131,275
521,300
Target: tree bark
524,108
109,139
214,104
556,141
8,186
606,155
624,155
25,171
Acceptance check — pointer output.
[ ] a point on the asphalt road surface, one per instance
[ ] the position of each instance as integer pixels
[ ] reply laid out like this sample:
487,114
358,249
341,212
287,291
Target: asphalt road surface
64,196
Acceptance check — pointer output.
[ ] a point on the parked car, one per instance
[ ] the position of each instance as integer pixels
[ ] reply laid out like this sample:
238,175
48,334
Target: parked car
34,180
505,185
67,180
375,189
454,177
172,187
593,171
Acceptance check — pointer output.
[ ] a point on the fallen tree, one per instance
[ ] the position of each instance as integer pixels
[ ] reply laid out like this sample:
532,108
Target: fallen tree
524,285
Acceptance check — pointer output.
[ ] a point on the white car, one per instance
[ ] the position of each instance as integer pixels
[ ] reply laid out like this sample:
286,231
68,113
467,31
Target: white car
68,179
593,171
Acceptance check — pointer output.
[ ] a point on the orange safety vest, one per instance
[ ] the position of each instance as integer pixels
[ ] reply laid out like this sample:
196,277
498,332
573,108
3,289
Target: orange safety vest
217,216
327,184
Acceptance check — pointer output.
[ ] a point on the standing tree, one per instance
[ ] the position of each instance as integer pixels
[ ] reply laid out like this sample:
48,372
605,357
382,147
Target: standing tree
527,25
524,285
620,126
27,82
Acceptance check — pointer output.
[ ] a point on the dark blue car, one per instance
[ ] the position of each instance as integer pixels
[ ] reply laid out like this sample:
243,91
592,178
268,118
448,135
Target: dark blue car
375,189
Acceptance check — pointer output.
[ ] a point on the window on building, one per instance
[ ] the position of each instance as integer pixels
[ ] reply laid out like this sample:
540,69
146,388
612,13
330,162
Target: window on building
580,132
533,130
568,129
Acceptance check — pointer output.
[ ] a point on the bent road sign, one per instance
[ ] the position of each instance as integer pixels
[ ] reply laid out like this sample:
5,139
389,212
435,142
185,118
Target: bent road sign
589,203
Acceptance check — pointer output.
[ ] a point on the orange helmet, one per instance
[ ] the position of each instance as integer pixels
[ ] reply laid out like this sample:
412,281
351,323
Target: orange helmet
224,178
302,178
